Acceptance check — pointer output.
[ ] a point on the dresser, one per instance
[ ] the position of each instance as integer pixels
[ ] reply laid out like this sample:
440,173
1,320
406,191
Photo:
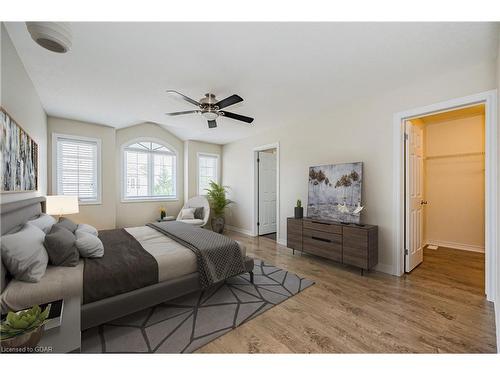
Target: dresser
351,244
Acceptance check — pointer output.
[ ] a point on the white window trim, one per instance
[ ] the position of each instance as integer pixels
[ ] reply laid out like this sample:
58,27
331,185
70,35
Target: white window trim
123,198
55,137
198,154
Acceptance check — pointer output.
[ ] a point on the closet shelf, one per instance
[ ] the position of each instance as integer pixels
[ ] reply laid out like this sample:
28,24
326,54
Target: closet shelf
454,155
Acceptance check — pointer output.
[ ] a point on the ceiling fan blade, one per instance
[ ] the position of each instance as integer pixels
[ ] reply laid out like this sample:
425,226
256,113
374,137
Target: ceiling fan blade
230,100
182,113
212,124
183,97
236,117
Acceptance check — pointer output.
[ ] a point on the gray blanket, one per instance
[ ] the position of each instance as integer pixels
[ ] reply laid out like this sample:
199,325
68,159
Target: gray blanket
125,266
218,256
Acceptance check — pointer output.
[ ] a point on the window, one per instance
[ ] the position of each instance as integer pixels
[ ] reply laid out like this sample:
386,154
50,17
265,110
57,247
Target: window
149,171
77,167
208,165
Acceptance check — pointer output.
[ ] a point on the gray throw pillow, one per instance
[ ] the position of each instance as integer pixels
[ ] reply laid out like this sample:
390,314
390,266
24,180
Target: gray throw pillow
198,213
44,222
86,228
68,224
60,245
23,253
88,245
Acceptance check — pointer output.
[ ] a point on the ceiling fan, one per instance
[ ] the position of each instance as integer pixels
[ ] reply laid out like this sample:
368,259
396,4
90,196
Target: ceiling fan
211,108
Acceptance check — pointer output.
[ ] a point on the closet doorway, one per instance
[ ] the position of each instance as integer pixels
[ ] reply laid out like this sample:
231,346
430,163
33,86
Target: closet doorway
266,217
445,192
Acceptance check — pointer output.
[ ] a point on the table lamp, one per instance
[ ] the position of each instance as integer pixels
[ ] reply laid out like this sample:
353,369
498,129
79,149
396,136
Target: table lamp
61,205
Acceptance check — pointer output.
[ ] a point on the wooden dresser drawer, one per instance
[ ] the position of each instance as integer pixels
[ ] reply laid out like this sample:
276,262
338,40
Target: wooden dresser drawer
322,226
294,234
355,247
323,236
324,247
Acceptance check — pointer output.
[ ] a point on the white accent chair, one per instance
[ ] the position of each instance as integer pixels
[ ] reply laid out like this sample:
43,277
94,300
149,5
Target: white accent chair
195,202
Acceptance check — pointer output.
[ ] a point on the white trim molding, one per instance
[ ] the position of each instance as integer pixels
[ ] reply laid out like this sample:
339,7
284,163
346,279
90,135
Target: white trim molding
240,230
489,99
270,146
456,245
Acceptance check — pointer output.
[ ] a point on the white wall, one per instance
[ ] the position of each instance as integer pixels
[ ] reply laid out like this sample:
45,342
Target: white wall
191,150
141,212
20,99
454,187
360,130
497,276
102,216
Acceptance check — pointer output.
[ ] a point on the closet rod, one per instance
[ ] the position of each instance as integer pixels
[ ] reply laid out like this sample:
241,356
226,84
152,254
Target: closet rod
454,155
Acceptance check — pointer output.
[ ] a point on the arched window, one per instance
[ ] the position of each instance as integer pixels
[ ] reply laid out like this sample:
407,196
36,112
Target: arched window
149,171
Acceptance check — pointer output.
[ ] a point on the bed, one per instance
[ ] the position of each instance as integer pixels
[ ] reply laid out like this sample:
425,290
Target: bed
177,272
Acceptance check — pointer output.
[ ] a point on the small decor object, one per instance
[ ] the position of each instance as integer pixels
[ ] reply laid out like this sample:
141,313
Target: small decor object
216,195
23,329
335,192
299,210
19,155
163,213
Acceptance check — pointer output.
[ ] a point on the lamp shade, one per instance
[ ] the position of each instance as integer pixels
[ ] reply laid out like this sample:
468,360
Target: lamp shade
61,205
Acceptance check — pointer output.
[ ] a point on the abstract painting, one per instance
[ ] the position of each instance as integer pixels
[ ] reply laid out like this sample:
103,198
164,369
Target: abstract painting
335,192
19,157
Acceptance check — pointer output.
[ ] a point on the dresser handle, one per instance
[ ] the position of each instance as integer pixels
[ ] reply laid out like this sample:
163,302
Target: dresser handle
319,222
321,239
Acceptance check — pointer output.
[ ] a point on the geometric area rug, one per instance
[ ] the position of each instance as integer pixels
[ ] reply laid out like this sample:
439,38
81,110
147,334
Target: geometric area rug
187,323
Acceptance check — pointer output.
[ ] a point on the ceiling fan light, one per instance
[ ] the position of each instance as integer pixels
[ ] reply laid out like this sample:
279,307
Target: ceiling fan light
53,36
210,115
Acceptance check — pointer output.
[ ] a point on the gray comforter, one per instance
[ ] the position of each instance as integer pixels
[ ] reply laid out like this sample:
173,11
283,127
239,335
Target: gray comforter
218,256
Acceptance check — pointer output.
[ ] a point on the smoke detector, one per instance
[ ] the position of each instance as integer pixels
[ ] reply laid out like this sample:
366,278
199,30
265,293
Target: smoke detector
54,36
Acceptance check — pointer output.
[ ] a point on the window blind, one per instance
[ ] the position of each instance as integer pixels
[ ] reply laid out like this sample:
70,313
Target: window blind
77,168
207,171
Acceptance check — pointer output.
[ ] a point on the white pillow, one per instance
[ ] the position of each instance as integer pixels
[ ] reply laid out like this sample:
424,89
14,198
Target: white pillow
43,222
88,245
87,228
187,213
24,255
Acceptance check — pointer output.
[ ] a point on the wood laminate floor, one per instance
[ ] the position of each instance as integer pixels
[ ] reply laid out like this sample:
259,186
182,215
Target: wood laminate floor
439,308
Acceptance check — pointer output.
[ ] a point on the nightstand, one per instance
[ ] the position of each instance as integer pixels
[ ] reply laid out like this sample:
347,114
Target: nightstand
67,337
166,218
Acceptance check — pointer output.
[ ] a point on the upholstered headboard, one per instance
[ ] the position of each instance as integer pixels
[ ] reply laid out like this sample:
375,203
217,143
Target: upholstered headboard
13,216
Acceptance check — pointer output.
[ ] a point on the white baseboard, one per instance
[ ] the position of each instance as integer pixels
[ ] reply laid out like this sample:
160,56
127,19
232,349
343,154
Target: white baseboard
385,268
456,245
282,241
240,230
497,322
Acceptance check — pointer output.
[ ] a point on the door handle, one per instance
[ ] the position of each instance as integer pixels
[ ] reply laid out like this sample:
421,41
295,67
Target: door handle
423,202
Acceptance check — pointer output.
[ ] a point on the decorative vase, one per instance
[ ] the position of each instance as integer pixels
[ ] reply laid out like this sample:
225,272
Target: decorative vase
299,212
218,224
26,340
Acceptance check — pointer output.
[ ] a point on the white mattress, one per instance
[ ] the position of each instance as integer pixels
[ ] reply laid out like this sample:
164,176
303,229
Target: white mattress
174,260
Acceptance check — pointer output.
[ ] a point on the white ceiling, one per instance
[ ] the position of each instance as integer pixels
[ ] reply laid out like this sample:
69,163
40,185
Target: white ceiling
117,73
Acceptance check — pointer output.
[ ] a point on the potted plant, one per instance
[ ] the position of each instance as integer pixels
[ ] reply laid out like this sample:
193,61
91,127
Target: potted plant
163,213
23,329
216,195
299,210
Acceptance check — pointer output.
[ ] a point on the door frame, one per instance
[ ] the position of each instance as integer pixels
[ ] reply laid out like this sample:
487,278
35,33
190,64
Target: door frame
255,152
489,99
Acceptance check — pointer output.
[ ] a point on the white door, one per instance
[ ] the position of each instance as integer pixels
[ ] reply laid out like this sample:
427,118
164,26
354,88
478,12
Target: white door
414,196
267,192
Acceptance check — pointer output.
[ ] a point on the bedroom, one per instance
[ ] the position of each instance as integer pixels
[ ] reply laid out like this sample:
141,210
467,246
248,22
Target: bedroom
106,162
